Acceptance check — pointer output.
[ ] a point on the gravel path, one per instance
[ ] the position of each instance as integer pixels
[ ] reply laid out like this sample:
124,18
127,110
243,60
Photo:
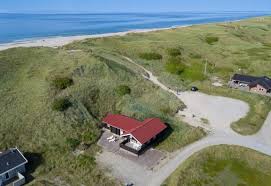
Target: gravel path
219,111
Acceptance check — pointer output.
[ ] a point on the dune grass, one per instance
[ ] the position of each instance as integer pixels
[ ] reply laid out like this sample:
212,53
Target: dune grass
52,102
223,165
93,73
223,48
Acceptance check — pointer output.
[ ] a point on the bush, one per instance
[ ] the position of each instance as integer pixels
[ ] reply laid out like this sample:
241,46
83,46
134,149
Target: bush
123,90
84,161
72,143
62,83
150,56
174,52
61,104
175,66
195,56
211,39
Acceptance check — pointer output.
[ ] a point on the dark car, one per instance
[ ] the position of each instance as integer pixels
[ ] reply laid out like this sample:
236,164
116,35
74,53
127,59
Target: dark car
194,89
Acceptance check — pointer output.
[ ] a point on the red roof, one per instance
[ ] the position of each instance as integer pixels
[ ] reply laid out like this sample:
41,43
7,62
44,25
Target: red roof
142,131
150,128
122,122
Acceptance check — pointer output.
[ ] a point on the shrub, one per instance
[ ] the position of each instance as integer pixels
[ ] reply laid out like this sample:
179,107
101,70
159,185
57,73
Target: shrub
123,90
62,83
61,104
211,39
174,52
195,56
84,160
150,56
72,143
175,66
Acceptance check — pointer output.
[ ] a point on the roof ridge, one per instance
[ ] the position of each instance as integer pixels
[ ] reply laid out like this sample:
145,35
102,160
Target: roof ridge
122,116
143,124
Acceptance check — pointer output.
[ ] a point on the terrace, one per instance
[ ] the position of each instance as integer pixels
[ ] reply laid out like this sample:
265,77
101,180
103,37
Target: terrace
149,159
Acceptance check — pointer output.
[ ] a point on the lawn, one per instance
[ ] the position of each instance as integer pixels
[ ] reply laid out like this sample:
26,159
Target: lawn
223,165
179,57
52,102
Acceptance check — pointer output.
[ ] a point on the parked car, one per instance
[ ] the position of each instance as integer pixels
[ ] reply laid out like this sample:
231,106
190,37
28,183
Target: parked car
194,89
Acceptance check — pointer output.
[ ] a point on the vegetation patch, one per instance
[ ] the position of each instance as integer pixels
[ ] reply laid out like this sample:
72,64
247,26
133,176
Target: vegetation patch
61,104
72,142
62,82
223,165
151,56
195,56
175,66
211,40
174,52
123,90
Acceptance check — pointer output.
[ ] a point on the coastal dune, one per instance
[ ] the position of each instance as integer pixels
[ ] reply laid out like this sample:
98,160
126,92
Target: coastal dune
61,41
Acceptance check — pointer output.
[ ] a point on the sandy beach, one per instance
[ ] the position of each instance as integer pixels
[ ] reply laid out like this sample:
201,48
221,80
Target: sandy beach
61,41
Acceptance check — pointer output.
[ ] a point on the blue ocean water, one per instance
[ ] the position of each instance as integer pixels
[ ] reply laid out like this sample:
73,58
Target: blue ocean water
14,27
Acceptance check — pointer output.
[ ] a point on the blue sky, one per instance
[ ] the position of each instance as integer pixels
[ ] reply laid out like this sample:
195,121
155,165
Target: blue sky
92,6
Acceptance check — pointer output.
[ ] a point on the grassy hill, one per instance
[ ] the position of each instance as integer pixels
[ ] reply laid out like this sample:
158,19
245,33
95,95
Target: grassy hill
52,102
179,57
223,165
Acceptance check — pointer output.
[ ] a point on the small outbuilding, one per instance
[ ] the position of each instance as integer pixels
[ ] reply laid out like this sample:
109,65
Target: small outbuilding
12,165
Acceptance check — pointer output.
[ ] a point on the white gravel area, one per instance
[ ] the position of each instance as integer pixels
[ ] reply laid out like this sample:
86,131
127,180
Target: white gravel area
219,111
123,169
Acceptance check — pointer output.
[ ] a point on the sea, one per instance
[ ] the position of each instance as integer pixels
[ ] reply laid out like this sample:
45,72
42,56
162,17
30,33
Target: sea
23,27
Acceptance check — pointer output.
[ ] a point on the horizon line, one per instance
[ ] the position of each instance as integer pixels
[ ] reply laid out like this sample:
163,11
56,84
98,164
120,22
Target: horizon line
135,12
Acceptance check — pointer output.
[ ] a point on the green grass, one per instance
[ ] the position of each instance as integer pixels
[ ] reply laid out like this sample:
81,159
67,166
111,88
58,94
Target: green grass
61,104
211,39
62,82
175,66
51,120
96,70
226,48
122,90
150,56
174,52
223,165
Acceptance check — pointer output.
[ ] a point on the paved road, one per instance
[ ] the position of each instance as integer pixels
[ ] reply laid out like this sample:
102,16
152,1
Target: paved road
260,141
